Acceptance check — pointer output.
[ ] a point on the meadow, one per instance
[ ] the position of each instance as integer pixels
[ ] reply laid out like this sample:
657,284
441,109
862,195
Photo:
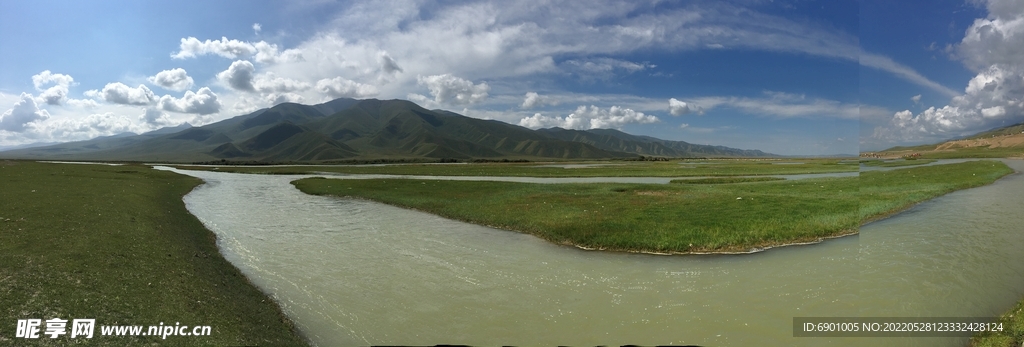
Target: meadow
116,244
717,216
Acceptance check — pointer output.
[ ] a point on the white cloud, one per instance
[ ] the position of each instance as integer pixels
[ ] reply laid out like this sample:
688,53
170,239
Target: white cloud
340,87
239,76
55,95
267,53
992,47
916,98
591,117
533,99
256,27
47,77
603,68
201,102
119,93
175,79
58,93
782,105
995,40
155,118
83,103
274,98
268,83
679,108
191,47
902,71
90,126
25,111
450,89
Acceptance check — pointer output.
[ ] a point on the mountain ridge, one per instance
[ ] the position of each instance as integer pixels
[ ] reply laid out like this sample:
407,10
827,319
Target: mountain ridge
346,129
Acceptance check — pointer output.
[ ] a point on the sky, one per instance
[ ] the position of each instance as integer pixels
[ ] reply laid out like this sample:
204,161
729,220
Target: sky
786,77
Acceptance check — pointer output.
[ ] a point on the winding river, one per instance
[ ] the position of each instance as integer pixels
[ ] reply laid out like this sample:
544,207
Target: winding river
352,272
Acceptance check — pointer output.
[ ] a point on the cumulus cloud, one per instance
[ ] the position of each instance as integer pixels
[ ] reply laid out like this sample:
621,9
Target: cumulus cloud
591,117
340,87
264,52
388,64
679,108
91,126
57,94
46,77
992,47
450,89
916,98
256,27
201,102
175,79
267,53
268,83
155,118
239,76
191,47
25,111
119,93
281,98
533,99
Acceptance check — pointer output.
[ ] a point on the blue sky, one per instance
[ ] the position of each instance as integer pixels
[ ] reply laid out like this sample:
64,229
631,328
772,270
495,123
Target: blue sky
787,77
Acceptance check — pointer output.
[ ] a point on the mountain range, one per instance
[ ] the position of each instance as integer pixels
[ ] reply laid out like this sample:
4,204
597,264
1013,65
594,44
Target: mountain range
350,129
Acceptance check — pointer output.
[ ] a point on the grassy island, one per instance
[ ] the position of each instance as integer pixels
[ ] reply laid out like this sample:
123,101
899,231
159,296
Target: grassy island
116,244
674,218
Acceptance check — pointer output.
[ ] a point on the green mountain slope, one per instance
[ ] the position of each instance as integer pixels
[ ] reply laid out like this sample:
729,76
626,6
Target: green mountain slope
367,129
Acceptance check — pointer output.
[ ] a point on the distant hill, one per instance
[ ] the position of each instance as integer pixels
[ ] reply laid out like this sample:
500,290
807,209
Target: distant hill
345,129
1005,141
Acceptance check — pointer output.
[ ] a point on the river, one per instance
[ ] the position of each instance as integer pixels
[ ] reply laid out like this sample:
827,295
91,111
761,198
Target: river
352,272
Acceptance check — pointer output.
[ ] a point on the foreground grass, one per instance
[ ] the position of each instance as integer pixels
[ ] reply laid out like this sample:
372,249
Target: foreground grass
683,168
1012,334
115,243
883,193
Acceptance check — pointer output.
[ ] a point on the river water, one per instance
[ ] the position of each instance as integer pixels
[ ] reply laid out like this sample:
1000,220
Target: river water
352,272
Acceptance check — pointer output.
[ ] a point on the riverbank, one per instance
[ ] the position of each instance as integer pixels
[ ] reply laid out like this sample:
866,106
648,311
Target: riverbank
116,244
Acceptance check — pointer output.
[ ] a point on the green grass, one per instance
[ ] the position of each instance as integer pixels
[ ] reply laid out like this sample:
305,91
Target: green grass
115,243
726,180
630,217
613,168
672,218
884,193
899,163
1012,334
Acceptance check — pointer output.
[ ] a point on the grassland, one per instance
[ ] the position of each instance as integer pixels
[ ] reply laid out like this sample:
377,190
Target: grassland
1012,334
667,218
673,218
736,167
115,243
883,193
